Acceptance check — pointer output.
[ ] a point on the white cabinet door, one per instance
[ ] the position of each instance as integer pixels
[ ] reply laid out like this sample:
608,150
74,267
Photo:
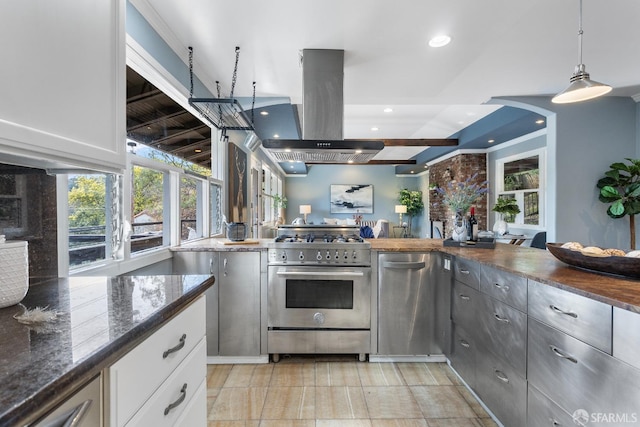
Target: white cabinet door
63,82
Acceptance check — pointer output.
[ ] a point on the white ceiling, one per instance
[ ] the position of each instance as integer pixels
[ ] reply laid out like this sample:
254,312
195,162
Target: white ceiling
498,48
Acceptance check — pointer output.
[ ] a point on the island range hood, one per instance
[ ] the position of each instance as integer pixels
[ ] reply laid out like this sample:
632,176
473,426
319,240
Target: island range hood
322,116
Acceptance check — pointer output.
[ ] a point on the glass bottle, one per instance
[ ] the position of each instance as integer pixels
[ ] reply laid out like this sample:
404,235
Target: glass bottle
472,227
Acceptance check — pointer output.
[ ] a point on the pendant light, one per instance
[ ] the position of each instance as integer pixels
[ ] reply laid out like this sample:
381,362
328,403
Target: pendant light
581,87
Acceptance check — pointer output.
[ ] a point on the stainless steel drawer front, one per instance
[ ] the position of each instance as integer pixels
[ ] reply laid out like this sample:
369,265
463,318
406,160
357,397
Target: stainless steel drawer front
467,272
504,286
502,390
504,332
578,376
463,355
464,302
543,412
626,336
583,318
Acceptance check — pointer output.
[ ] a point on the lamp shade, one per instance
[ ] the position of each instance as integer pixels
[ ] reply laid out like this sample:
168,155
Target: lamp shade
581,88
305,209
401,209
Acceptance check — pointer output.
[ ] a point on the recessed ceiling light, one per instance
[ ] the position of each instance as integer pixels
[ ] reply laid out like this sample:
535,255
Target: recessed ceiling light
539,121
275,135
491,141
375,129
412,172
358,151
349,161
287,150
198,150
264,113
440,40
388,110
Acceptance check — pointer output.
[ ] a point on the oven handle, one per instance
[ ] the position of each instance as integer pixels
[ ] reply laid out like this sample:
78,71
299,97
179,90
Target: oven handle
322,273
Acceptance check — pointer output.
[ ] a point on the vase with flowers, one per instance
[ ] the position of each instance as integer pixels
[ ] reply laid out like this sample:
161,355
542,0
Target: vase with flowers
458,197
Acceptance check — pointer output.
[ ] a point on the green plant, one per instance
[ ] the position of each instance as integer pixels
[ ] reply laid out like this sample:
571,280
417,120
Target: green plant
412,200
279,201
506,205
620,187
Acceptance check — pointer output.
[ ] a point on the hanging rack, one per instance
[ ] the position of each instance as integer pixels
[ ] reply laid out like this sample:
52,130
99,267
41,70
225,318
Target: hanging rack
223,113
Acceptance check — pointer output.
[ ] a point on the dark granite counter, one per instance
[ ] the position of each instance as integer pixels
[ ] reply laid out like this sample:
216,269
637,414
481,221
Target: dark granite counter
100,319
535,264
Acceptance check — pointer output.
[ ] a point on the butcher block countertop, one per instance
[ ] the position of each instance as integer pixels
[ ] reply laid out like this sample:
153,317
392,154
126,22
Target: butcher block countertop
536,264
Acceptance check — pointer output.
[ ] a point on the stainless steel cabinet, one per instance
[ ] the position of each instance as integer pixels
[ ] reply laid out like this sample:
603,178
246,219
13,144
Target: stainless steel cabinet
406,305
543,412
239,305
626,336
467,272
463,355
506,287
442,264
581,317
203,262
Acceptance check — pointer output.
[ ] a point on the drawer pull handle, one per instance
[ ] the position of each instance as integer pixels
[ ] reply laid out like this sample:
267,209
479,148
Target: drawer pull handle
562,354
566,313
464,344
464,271
502,287
465,297
174,405
501,376
554,423
166,353
501,319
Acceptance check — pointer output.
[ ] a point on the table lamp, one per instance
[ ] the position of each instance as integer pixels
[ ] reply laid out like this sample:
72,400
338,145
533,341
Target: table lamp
400,209
305,209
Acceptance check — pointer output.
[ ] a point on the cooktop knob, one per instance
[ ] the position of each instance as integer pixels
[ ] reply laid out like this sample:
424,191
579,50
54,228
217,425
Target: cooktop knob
301,256
328,256
319,256
283,256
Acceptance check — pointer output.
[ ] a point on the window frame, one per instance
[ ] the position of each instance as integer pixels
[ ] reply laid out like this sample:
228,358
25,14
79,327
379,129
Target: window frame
519,194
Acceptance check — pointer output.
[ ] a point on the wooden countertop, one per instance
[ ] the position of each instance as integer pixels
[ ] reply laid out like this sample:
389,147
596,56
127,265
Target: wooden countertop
535,264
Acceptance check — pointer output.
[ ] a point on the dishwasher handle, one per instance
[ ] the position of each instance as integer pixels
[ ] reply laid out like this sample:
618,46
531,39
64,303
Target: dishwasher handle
404,265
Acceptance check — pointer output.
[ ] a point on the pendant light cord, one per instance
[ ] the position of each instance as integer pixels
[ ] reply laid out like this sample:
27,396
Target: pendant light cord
580,32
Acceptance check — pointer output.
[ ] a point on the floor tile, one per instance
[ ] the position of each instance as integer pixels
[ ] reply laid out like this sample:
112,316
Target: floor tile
442,402
236,403
337,374
472,401
289,403
379,374
217,375
240,423
443,374
249,376
391,402
399,423
340,403
293,375
287,423
417,374
487,422
343,423
453,422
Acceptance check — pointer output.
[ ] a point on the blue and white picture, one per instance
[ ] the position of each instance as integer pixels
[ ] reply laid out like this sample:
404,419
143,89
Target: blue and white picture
352,198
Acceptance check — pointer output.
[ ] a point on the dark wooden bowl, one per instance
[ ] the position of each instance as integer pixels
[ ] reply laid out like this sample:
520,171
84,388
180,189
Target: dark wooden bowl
620,265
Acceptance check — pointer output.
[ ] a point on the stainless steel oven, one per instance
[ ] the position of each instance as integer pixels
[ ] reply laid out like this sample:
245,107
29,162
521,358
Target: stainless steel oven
319,292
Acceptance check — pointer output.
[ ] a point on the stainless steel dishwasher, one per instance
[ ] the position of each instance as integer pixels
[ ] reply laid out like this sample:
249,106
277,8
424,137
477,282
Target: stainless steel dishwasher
406,304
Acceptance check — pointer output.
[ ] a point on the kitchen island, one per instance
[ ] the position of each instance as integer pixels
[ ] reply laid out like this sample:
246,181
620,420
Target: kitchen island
99,320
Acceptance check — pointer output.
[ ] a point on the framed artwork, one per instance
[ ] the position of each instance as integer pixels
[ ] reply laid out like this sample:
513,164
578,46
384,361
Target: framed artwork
348,198
237,184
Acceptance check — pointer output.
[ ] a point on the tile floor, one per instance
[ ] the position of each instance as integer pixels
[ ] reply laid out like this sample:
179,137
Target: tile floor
326,392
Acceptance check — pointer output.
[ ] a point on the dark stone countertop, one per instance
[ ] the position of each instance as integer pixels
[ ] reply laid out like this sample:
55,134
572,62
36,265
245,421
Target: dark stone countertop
102,318
536,264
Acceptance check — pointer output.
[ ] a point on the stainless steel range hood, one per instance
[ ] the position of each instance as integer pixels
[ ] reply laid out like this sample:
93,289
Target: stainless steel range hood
322,116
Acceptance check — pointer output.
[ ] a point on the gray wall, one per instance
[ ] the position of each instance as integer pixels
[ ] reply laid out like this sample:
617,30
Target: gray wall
582,141
314,190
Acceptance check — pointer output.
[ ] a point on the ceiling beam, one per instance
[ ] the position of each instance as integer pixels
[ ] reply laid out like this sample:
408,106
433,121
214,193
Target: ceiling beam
429,142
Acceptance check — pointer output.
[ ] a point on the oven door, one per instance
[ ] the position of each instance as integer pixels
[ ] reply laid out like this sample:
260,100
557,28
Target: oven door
319,297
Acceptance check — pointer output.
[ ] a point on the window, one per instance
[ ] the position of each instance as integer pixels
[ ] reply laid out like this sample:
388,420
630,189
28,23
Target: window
215,208
190,195
147,209
521,178
89,218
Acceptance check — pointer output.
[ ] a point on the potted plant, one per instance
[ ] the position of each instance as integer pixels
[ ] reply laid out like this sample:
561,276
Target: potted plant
504,205
621,188
413,201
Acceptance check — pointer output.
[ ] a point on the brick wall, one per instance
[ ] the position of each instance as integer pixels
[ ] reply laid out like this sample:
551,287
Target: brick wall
457,169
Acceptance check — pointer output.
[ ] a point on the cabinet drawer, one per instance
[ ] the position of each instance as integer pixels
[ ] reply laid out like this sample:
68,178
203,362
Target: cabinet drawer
577,376
168,403
502,390
505,287
580,317
137,375
543,412
195,414
504,332
463,355
626,336
464,302
467,272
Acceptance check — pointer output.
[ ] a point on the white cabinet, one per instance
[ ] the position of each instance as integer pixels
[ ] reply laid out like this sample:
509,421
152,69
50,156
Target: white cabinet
85,405
155,382
64,91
